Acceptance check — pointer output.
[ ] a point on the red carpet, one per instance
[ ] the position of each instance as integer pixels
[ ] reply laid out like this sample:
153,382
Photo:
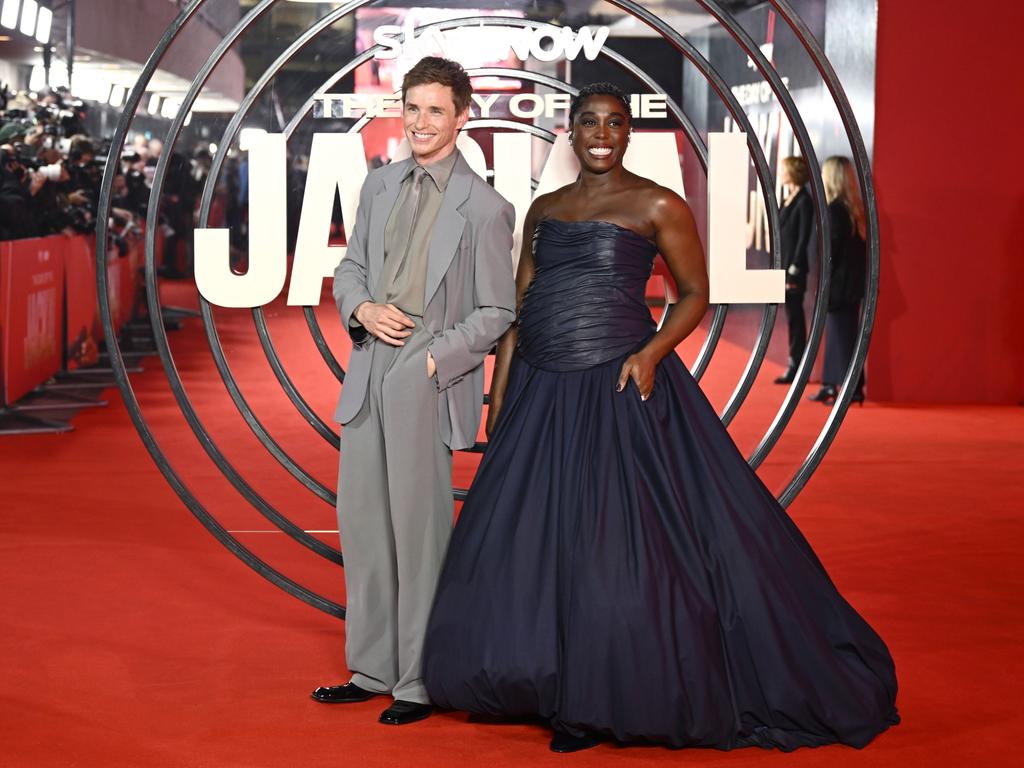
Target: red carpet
130,637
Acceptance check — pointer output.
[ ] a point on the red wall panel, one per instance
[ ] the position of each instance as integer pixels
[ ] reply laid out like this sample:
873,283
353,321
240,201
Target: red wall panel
948,171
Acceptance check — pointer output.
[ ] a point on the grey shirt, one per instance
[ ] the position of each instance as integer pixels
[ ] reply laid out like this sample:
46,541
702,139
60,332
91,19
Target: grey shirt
405,252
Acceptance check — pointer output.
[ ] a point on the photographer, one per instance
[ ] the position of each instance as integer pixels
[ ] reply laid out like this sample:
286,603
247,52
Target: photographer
29,182
131,191
51,173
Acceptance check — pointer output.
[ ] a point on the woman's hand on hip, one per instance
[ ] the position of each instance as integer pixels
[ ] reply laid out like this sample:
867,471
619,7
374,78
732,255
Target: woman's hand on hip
640,368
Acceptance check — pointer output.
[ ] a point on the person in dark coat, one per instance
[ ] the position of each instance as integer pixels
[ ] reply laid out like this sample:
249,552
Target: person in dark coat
796,220
848,277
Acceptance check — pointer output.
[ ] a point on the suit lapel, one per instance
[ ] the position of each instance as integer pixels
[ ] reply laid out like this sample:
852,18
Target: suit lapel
448,227
383,203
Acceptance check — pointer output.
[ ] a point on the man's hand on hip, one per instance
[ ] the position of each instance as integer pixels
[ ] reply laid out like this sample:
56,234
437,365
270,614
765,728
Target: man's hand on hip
385,321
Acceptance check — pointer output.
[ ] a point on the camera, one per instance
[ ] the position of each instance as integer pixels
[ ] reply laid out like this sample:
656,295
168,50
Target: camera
51,172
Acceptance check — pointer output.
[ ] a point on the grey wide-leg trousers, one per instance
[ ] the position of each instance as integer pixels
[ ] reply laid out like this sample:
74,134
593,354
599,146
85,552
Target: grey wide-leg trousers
395,513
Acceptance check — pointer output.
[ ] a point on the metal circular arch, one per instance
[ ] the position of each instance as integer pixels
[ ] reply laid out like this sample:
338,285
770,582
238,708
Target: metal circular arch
158,182
259,319
864,176
238,482
292,467
796,388
117,359
713,335
213,340
825,69
789,107
818,320
760,162
694,136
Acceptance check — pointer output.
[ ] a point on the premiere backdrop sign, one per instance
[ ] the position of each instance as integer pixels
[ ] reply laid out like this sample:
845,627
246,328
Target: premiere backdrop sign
314,148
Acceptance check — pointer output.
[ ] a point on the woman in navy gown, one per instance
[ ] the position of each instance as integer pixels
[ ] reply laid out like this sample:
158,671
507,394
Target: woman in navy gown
618,570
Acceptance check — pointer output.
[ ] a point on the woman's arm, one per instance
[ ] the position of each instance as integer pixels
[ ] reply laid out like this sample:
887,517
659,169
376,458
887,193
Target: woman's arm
804,223
507,343
840,232
675,234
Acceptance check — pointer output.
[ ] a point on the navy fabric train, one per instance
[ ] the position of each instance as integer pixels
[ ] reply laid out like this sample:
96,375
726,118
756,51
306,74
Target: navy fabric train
617,567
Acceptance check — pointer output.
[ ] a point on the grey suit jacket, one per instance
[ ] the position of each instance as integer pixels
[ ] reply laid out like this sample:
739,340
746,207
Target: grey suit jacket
470,291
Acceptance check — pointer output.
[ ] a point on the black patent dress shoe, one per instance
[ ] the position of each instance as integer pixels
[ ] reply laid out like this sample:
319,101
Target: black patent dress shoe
405,712
566,742
349,693
826,395
787,377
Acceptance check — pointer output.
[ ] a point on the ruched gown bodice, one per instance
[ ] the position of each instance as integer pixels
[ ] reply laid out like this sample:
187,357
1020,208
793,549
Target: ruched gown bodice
617,567
586,304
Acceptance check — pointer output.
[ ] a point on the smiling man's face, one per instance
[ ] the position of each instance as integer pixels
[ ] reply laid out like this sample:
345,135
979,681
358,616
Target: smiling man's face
431,122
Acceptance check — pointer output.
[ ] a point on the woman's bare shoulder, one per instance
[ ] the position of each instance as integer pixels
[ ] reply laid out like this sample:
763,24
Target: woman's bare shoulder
659,202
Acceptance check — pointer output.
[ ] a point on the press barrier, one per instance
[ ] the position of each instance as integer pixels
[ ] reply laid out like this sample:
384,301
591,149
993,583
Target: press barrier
49,308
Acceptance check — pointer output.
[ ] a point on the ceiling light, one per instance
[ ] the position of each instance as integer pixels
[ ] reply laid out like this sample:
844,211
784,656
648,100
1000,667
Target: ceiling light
37,80
154,104
9,14
45,23
117,94
169,109
90,87
28,17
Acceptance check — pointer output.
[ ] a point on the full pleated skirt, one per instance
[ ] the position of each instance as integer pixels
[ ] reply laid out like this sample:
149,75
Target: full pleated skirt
618,568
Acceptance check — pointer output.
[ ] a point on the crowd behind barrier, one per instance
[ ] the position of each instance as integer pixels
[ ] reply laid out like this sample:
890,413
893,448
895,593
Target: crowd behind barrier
50,175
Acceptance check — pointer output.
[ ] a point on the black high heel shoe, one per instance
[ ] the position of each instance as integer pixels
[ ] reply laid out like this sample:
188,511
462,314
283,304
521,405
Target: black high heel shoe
566,742
826,395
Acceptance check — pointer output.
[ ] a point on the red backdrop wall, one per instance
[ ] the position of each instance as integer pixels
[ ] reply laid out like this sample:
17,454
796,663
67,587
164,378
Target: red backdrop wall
949,171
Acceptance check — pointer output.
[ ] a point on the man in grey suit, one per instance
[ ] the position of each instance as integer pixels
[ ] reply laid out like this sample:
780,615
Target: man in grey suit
425,290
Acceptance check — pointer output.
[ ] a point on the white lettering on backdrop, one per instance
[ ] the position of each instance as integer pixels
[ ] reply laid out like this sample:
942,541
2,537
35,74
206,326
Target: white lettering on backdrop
337,165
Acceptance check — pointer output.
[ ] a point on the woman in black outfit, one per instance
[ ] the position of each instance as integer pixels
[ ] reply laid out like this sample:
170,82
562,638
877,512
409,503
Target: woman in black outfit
796,222
846,222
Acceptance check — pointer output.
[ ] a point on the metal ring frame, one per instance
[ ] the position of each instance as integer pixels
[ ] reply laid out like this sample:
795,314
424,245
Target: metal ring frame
206,200
717,324
114,348
744,41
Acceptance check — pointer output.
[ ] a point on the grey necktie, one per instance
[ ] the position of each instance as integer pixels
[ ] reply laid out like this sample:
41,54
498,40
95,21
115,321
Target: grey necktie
407,215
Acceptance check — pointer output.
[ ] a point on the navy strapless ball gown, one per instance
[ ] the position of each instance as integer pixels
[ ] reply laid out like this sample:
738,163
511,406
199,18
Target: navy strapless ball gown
618,567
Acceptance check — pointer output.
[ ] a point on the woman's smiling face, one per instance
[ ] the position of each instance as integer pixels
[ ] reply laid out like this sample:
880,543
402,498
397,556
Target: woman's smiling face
600,133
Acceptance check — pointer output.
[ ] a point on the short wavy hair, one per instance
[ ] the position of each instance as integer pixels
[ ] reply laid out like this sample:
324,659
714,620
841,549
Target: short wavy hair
434,69
797,168
598,89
